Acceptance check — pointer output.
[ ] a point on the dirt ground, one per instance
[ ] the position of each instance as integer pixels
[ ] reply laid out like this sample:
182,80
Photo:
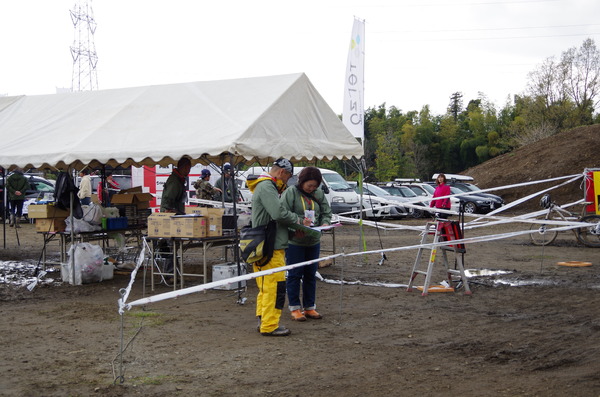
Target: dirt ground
532,332
566,153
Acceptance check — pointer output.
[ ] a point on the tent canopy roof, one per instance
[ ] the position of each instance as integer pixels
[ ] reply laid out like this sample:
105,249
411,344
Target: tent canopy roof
241,121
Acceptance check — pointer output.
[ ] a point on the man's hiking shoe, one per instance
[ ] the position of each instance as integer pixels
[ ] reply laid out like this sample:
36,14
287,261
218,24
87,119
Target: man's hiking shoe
297,315
312,314
279,331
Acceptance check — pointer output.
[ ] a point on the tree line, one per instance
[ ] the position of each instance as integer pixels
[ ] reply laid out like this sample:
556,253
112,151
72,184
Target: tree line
561,93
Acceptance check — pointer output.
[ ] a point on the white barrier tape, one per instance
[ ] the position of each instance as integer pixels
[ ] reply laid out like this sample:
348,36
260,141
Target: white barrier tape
458,195
523,199
219,204
139,263
492,189
246,277
379,225
469,240
494,220
232,280
412,203
563,225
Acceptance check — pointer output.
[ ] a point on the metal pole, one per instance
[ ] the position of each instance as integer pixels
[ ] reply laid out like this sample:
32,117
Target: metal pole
72,259
5,210
236,237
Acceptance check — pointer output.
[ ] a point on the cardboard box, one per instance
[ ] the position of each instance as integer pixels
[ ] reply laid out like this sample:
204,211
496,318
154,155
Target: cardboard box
159,224
133,196
214,219
50,224
225,271
188,226
36,211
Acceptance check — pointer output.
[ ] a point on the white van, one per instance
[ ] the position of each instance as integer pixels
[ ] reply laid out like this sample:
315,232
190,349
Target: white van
341,196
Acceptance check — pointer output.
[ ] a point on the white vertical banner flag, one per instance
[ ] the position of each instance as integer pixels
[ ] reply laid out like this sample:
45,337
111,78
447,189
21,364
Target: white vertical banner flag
353,116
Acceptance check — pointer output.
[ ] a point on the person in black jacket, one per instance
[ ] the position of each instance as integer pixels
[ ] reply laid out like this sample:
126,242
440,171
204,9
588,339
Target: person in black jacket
17,186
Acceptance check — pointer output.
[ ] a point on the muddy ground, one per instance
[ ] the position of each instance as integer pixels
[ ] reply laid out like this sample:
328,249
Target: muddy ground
532,332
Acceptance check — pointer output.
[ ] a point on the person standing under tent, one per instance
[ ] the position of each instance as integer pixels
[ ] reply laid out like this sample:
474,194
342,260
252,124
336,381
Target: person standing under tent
307,200
174,192
266,206
225,184
106,189
441,190
173,200
204,190
85,187
112,187
17,186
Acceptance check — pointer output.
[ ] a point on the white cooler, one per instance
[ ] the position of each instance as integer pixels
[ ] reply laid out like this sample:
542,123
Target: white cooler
225,271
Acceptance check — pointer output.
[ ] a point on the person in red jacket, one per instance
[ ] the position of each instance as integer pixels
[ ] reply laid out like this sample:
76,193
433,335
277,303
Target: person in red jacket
441,190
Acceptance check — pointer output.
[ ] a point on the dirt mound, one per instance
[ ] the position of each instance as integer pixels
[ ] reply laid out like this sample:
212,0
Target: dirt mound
566,153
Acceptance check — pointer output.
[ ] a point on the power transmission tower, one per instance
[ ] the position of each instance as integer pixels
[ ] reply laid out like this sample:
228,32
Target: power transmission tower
83,49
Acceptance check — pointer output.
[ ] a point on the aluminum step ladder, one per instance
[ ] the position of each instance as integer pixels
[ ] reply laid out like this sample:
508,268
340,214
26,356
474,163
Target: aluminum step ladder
442,230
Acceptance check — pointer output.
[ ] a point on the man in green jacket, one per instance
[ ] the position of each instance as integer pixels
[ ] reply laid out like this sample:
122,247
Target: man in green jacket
173,201
174,193
17,186
266,206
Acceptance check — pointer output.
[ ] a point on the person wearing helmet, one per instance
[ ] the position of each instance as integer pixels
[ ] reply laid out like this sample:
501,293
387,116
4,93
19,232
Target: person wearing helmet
204,190
225,184
266,207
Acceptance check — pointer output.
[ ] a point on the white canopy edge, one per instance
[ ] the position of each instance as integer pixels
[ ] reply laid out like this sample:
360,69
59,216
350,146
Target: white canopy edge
242,120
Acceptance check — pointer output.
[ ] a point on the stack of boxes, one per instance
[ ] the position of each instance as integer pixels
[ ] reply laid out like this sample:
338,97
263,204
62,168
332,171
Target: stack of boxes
48,218
136,216
134,205
214,219
199,222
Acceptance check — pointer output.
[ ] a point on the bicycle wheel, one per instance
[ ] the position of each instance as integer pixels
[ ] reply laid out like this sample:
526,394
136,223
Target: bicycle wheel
541,235
590,235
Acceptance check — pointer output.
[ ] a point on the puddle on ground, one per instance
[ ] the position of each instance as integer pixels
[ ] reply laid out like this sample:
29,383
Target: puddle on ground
526,283
485,272
25,273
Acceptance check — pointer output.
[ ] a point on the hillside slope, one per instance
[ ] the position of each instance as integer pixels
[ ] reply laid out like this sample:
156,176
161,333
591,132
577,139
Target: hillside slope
566,153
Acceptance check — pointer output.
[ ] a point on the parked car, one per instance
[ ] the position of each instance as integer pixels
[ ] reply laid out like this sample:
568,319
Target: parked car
380,204
425,191
475,203
409,194
341,197
489,203
38,186
39,189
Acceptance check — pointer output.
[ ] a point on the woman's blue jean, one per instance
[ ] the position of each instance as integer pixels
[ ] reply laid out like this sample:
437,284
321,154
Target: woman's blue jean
303,275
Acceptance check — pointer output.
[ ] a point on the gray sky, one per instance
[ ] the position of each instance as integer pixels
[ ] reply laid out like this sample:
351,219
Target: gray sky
417,51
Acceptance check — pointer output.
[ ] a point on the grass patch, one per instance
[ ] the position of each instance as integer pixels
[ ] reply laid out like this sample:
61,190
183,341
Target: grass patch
153,380
147,318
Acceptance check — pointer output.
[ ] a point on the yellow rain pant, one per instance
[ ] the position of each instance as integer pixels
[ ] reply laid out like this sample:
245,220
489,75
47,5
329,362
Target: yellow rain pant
271,293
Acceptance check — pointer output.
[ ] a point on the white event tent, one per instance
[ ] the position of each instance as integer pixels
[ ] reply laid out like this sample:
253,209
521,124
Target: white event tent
240,120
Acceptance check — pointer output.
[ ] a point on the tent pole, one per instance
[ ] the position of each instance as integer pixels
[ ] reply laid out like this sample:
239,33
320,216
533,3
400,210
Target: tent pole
236,237
72,258
5,209
363,241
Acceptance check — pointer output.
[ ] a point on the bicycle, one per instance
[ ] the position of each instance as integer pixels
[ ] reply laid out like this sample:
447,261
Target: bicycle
544,235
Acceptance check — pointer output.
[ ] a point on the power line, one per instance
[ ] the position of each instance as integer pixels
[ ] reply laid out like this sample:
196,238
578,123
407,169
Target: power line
493,38
452,4
486,29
